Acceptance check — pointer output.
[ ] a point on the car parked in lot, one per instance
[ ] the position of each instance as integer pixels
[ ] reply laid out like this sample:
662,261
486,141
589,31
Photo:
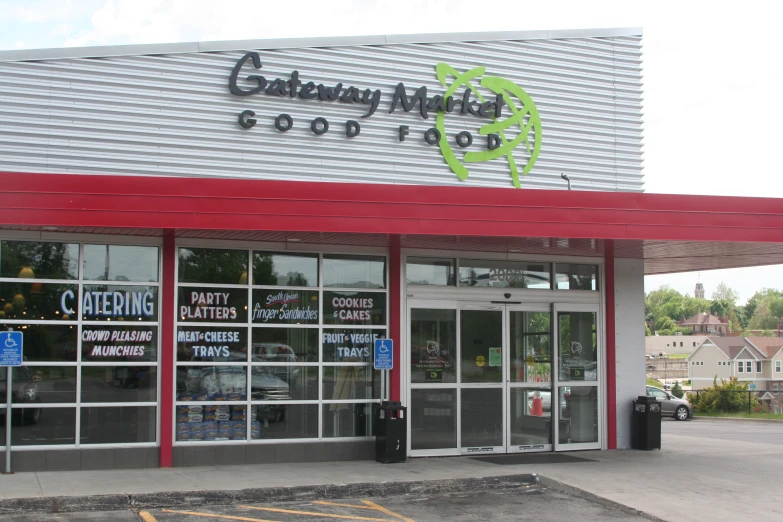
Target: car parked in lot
25,390
671,406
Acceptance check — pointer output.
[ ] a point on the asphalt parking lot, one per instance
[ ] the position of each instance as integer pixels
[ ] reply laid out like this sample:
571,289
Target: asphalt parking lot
538,504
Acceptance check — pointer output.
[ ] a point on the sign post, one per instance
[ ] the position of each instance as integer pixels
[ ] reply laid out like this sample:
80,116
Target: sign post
10,355
384,360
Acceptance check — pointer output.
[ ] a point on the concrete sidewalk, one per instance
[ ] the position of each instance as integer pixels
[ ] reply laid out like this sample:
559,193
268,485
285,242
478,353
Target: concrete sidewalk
692,478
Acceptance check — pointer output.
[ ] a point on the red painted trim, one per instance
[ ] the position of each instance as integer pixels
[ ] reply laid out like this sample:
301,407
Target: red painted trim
167,318
228,204
395,298
611,361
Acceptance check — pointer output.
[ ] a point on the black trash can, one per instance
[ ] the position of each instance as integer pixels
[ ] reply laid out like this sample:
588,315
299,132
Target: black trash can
391,432
646,428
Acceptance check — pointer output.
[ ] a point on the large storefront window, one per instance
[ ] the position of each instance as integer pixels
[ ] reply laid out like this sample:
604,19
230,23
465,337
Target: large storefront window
90,319
277,346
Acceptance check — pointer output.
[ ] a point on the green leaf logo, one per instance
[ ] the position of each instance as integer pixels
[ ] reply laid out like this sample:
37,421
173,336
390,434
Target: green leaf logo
525,115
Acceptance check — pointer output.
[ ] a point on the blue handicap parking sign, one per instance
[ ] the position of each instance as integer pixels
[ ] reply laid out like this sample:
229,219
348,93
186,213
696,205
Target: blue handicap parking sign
384,360
10,348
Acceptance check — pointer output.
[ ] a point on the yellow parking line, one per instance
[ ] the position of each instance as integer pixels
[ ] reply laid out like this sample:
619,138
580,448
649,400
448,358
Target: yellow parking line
313,513
214,515
388,512
146,516
337,504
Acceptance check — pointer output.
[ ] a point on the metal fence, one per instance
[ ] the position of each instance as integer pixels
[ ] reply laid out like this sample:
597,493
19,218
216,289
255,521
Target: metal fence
728,401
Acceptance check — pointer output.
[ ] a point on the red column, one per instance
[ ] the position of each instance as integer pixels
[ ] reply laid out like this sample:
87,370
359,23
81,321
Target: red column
611,361
395,296
167,349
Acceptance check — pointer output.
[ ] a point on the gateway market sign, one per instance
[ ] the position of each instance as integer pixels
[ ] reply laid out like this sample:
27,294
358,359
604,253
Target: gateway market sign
511,117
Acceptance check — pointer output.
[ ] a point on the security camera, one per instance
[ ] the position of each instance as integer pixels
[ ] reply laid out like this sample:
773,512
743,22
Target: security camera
507,296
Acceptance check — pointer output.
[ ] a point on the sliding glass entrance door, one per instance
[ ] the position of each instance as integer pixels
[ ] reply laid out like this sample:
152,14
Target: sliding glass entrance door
497,378
577,378
482,378
432,363
531,407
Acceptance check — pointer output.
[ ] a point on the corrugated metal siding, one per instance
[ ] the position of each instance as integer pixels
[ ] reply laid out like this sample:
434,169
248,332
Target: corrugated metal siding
173,115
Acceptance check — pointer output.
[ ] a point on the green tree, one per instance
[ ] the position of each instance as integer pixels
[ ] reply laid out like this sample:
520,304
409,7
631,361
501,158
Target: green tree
765,294
677,390
729,396
724,293
721,307
766,315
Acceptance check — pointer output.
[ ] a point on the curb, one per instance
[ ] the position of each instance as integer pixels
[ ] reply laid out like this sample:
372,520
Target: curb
592,497
138,501
708,417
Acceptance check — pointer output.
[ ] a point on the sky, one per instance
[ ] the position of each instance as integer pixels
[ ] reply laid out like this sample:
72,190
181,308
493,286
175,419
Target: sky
713,75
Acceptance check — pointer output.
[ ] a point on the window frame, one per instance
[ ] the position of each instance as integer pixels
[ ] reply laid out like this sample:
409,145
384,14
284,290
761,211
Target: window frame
321,402
80,324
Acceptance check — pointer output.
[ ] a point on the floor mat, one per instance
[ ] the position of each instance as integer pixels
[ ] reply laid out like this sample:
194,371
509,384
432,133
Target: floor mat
528,458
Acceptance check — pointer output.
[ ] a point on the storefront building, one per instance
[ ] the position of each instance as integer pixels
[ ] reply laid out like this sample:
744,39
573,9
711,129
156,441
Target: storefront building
202,242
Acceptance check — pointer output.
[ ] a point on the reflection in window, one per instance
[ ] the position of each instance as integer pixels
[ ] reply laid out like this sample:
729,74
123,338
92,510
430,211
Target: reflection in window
576,277
505,274
285,269
433,345
285,345
37,260
209,265
433,419
211,383
579,417
354,271
38,301
531,359
481,349
40,384
578,346
43,426
120,263
345,383
428,271
117,424
348,420
47,342
285,421
119,383
282,383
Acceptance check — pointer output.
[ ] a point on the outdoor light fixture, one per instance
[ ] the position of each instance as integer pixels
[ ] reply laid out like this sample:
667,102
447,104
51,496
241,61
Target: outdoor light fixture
566,178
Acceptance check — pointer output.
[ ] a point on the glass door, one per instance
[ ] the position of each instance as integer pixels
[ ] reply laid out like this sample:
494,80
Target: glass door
432,363
529,381
494,378
578,364
482,392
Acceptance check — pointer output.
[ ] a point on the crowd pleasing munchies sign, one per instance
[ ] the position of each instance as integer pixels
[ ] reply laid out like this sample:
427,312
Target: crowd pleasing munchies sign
506,125
123,342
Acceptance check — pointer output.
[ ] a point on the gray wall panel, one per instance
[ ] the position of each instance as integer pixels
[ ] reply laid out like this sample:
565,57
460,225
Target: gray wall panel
173,115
